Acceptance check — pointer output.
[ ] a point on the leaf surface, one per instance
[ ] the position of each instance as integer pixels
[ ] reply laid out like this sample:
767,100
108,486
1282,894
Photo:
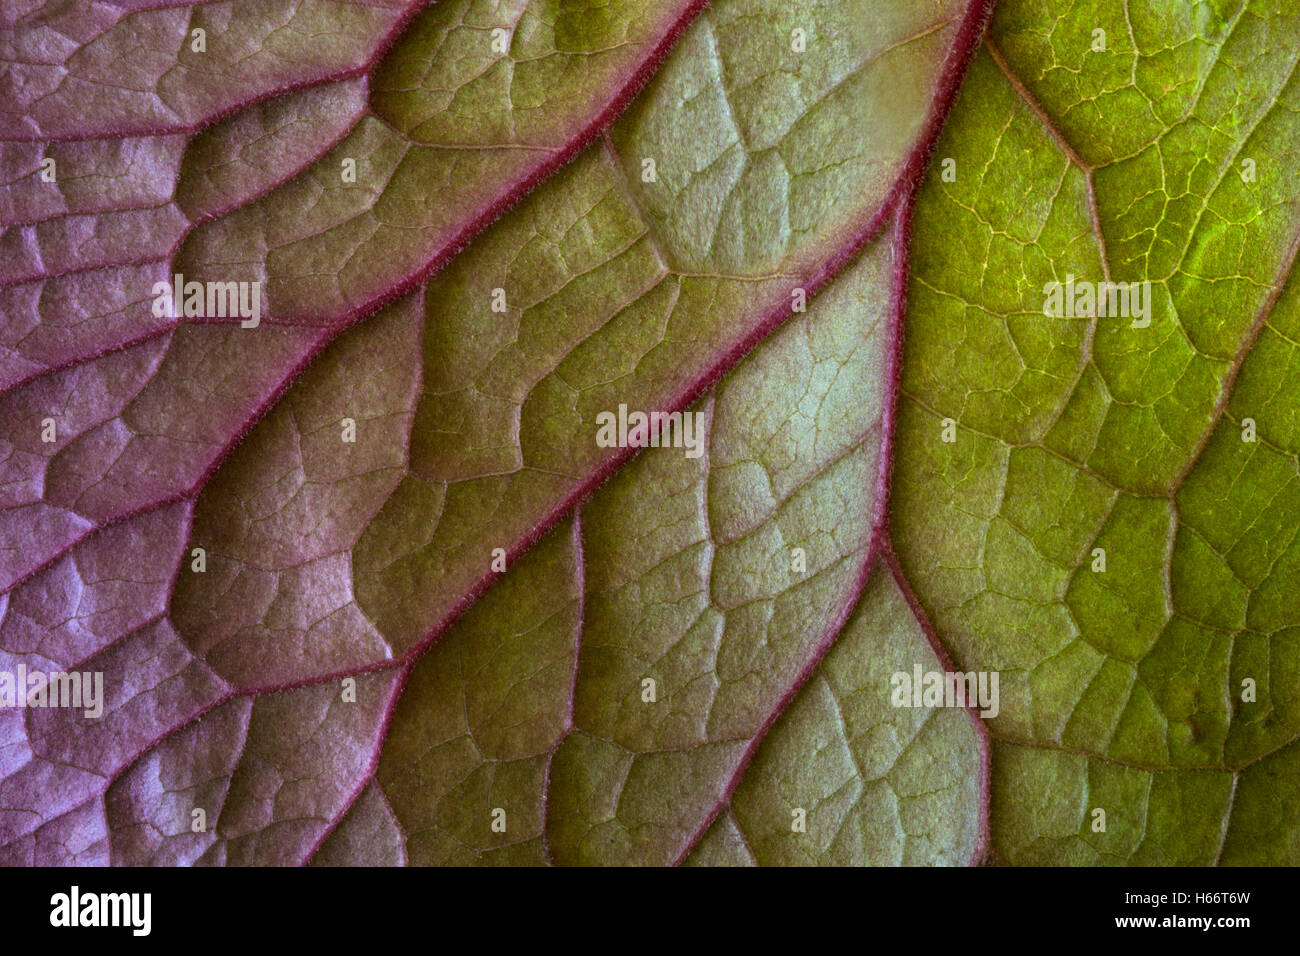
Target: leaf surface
365,587
1122,688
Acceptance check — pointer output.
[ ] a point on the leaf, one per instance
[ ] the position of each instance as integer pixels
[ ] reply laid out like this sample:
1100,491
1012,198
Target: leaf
1122,690
890,786
138,426
679,572
617,293
319,557
363,584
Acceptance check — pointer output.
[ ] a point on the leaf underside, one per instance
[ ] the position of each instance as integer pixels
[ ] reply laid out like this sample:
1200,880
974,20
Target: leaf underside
365,589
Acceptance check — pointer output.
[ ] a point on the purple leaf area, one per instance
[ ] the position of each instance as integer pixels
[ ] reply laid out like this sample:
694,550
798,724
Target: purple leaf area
304,655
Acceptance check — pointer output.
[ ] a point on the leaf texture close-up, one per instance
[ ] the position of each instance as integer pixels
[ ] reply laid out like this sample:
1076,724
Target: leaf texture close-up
649,432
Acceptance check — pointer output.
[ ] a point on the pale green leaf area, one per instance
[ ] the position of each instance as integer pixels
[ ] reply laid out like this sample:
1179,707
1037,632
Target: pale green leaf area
598,704
681,572
615,291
